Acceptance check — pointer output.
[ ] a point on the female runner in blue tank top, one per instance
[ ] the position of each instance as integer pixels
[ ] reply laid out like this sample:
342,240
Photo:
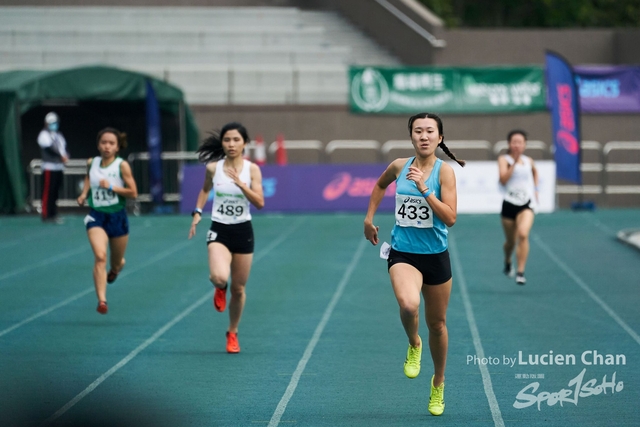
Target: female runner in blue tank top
237,184
426,204
108,182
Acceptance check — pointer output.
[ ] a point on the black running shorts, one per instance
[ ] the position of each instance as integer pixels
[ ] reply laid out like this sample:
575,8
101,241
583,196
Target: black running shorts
511,211
238,238
435,268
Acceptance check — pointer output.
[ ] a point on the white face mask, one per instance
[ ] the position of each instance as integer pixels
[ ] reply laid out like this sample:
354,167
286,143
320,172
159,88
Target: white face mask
53,126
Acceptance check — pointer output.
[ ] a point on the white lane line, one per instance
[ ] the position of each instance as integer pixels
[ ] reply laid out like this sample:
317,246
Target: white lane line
295,378
28,237
45,312
586,288
127,359
602,226
477,343
45,262
279,240
158,334
72,298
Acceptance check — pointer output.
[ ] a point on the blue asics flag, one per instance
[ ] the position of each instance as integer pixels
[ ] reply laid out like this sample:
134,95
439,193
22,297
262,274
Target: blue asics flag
564,100
154,145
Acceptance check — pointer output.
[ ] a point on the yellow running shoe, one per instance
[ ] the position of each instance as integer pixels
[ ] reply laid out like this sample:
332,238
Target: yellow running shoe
436,399
412,362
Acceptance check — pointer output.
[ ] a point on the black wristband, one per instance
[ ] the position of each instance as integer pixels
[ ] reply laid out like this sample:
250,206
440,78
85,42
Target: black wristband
196,211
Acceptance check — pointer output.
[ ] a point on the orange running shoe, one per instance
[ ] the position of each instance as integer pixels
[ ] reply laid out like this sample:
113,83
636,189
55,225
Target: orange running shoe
102,307
220,299
232,342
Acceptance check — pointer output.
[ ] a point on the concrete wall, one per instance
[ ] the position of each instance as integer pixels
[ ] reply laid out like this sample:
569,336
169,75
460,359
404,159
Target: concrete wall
515,47
627,50
221,3
464,46
336,122
386,29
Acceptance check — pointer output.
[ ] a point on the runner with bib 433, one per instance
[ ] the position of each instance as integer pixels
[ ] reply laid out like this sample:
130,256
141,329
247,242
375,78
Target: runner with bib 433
418,262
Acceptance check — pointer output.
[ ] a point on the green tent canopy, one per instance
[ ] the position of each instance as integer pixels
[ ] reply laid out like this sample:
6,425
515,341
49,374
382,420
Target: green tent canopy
21,91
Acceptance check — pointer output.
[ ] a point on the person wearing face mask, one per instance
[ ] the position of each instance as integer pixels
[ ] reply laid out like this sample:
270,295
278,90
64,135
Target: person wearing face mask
54,155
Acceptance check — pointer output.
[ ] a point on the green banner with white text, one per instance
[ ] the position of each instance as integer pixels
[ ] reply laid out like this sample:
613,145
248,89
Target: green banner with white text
446,90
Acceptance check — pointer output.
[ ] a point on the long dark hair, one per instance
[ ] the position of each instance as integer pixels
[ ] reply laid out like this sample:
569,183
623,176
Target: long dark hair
440,132
211,148
120,136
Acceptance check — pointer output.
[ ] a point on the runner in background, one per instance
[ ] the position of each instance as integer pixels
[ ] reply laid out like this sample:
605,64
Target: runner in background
418,261
237,184
519,178
108,183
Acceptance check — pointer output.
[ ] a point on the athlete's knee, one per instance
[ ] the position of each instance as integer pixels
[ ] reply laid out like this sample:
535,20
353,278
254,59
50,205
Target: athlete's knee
100,257
409,307
117,263
237,291
218,280
523,236
437,326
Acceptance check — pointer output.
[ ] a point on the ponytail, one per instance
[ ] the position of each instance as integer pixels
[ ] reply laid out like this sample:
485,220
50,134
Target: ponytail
211,149
448,152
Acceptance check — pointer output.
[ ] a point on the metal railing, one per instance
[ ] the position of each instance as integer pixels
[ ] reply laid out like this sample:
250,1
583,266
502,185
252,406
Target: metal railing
76,169
72,180
172,162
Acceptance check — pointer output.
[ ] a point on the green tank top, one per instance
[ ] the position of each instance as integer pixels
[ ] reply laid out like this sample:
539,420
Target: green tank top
102,199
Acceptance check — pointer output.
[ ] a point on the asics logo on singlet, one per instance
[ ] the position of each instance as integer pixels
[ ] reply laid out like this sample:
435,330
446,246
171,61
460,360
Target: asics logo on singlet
411,200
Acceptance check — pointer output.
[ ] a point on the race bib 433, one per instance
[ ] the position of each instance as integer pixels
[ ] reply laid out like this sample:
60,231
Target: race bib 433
413,211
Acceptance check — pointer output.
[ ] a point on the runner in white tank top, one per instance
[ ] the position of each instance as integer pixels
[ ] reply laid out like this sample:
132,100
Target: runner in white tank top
236,184
230,206
519,178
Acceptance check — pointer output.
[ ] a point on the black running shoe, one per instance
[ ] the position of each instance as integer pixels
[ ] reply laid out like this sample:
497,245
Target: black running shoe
508,269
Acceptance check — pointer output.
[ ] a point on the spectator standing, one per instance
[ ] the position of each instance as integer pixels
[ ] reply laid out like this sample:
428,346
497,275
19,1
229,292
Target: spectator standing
54,156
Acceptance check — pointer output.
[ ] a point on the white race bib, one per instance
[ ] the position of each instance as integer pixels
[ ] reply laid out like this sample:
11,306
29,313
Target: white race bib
230,210
211,236
413,211
516,196
103,197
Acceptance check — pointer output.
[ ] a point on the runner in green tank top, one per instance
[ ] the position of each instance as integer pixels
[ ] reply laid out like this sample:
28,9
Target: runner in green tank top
108,183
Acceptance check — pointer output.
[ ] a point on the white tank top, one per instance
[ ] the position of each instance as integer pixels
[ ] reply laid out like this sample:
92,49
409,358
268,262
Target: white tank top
230,205
520,188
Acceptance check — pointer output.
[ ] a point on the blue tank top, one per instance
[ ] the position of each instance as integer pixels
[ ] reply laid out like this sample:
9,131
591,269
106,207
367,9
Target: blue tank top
417,229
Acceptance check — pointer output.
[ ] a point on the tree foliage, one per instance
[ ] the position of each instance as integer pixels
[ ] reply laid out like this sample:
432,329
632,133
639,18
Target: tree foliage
537,13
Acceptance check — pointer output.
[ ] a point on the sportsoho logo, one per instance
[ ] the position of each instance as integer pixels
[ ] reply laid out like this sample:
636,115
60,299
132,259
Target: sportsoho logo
369,90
